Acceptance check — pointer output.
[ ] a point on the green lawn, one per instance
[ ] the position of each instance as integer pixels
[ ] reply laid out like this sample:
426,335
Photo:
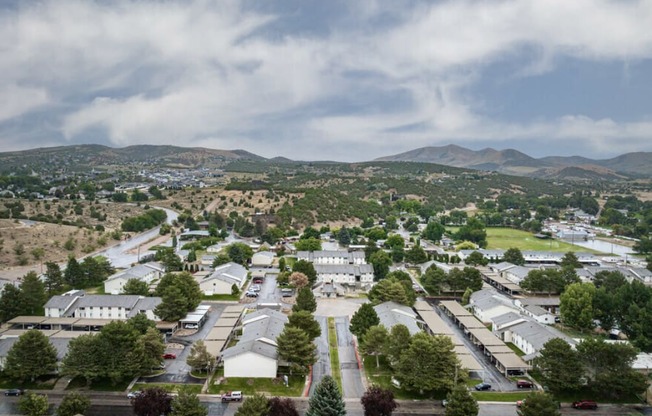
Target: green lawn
334,352
515,349
268,386
504,238
171,388
382,376
496,396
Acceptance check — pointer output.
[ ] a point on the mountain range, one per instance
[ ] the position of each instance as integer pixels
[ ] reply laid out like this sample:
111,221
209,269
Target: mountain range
508,161
514,162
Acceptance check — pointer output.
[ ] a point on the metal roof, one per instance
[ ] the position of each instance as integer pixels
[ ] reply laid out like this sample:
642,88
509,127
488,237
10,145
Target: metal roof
455,308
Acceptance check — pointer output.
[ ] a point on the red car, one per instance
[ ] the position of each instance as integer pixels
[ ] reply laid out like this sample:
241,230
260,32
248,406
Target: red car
169,356
585,404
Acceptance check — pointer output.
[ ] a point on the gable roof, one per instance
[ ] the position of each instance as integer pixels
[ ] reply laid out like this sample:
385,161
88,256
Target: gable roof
392,314
506,318
228,272
255,346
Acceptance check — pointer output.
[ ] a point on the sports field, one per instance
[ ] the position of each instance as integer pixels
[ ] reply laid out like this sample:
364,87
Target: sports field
504,238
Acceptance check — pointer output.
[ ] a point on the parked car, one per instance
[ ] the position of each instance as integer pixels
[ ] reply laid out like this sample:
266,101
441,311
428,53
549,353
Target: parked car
251,294
585,404
14,392
134,394
255,288
191,326
524,384
444,403
287,293
258,280
232,396
169,356
483,386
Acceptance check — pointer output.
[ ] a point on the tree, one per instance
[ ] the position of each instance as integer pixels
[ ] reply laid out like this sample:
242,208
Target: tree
34,404
240,253
135,287
476,259
474,231
200,358
307,268
363,319
180,294
84,359
539,404
380,262
73,404
256,405
221,259
152,346
305,301
298,280
326,400
609,368
235,290
576,306
570,260
141,323
282,407
53,278
399,337
560,366
466,297
30,357
429,363
187,404
152,402
73,274
515,256
11,303
304,320
416,255
648,260
434,280
308,244
544,281
294,346
33,294
461,403
377,401
344,236
461,279
375,342
390,289
433,231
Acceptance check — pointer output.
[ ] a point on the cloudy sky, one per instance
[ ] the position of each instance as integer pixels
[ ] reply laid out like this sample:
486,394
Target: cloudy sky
337,79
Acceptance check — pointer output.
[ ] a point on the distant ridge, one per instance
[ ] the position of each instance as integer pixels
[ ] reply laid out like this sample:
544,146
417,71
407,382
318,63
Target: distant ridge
514,162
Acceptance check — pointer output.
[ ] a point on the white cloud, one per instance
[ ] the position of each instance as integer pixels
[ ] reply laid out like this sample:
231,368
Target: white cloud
210,73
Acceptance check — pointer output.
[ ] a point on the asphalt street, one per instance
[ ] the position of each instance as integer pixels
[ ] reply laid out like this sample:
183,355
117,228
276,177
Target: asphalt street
349,369
323,365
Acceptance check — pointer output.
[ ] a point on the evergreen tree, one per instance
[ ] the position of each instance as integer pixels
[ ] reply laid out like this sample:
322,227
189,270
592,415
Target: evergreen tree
326,400
30,357
305,301
461,403
294,346
515,256
135,287
141,323
571,260
73,404
399,338
53,278
560,366
363,319
200,358
11,303
304,320
307,268
73,275
187,403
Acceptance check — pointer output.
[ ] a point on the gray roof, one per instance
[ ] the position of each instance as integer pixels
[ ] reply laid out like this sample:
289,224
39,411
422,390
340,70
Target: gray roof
506,318
269,328
537,334
536,310
350,269
486,299
344,254
255,346
145,304
541,301
137,272
502,266
263,313
520,271
59,302
71,303
392,313
230,273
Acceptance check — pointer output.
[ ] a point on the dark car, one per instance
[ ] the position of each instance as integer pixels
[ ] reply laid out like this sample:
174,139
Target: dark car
524,384
13,392
483,386
585,404
169,356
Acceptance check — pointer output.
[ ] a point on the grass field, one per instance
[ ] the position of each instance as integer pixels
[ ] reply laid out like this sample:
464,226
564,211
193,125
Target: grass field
504,238
172,388
268,386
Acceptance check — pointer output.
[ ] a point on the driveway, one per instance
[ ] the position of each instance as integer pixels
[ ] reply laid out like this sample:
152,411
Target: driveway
351,375
323,365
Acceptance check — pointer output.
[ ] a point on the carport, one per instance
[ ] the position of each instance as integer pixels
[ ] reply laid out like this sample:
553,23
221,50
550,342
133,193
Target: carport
62,323
227,322
90,324
26,322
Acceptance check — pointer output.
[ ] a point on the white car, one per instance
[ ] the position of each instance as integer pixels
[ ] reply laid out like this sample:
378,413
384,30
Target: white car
134,394
255,288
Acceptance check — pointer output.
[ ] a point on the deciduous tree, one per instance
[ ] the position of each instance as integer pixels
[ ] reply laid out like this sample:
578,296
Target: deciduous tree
199,357
461,403
377,401
540,404
560,366
576,306
33,404
380,262
515,256
399,338
73,404
152,402
30,357
375,342
298,280
307,268
282,407
135,287
187,403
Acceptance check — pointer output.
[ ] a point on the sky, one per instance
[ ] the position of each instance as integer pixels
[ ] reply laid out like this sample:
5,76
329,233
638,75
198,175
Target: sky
329,80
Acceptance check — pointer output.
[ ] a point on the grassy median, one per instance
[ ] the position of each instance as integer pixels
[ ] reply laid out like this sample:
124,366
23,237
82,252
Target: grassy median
334,352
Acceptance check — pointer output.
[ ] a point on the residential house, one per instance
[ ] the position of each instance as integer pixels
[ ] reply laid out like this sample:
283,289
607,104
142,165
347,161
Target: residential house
361,275
488,303
262,259
255,355
147,273
534,311
500,322
531,336
78,304
222,279
392,313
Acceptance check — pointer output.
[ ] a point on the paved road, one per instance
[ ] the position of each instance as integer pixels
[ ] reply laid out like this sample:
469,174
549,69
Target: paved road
351,375
323,365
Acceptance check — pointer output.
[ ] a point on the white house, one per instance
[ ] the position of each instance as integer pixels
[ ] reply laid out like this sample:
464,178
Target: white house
345,274
488,303
223,278
501,322
77,304
531,336
332,257
534,311
147,273
255,354
262,259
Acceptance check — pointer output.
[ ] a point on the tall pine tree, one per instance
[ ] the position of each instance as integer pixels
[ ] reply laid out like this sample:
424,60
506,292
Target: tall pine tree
326,400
